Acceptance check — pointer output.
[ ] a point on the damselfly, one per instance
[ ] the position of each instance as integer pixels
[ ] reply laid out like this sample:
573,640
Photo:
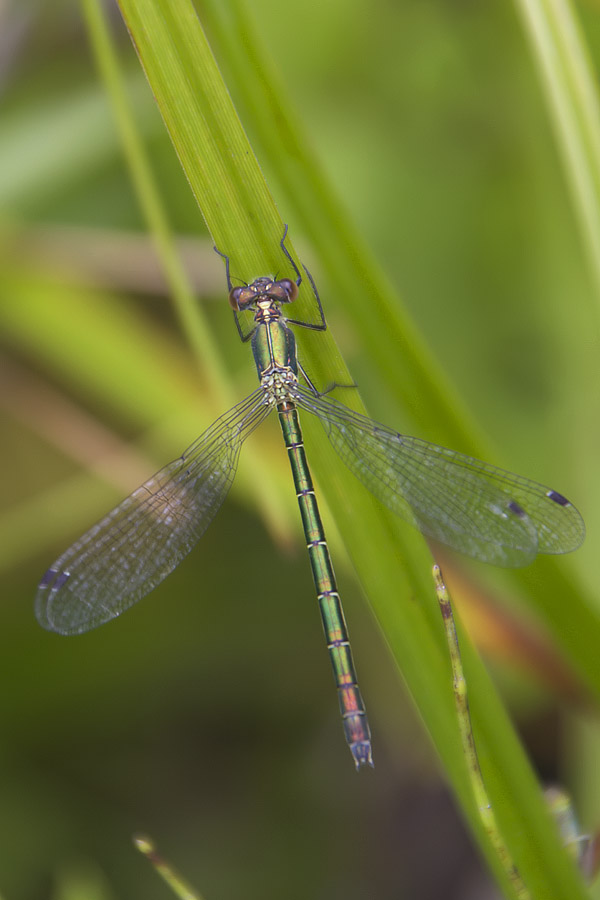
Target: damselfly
472,507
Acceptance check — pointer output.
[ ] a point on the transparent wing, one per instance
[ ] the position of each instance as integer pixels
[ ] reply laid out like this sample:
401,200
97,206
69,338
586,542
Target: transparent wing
472,507
143,539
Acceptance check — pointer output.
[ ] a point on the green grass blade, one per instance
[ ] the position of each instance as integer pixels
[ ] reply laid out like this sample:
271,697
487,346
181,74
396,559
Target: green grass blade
461,699
393,564
178,885
569,84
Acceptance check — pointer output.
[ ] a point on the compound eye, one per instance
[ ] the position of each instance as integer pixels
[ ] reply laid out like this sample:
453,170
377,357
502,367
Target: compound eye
237,295
290,287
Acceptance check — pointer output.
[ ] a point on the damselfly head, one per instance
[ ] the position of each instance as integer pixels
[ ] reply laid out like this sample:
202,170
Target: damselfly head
245,297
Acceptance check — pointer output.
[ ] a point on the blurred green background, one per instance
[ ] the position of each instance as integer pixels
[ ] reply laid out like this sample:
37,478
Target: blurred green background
207,716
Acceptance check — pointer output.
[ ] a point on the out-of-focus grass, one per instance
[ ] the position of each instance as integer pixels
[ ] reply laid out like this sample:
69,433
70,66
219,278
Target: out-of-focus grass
455,183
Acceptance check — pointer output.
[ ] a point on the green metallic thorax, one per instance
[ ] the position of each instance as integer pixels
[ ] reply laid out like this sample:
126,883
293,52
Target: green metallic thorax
273,343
